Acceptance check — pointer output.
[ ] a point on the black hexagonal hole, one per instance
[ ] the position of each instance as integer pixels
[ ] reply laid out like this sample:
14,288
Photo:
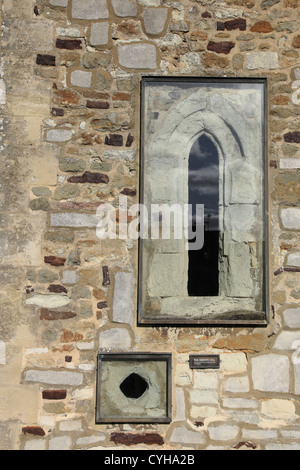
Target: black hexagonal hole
134,386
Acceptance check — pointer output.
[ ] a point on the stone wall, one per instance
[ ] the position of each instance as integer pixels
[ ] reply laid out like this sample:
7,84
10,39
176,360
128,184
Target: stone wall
69,98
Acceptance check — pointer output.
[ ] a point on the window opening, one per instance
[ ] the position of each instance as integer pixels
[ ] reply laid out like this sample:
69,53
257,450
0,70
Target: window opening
134,386
203,187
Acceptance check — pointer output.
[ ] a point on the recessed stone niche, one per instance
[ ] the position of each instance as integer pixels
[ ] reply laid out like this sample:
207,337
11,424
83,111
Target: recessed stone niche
133,387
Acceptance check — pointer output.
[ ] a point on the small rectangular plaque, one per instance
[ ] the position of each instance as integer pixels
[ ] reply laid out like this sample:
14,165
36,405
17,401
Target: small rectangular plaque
207,361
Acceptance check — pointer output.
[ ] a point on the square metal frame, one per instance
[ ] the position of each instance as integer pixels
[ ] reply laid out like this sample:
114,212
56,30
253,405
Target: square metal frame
135,357
238,322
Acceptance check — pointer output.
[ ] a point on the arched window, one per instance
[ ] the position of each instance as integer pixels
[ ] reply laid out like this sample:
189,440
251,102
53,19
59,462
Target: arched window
203,187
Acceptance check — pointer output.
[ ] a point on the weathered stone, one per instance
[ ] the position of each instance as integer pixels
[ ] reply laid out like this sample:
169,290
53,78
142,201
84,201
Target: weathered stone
137,56
262,27
125,8
208,397
238,23
89,177
112,123
126,155
35,430
278,409
63,236
293,259
223,432
69,44
39,204
97,104
268,3
54,315
292,137
233,362
262,60
292,317
59,3
54,260
185,436
129,439
237,384
45,276
43,192
289,26
66,191
54,394
106,276
71,165
155,20
270,373
116,339
48,300
81,78
123,305
290,218
2,353
253,342
286,339
47,60
215,61
99,34
116,140
60,443
54,377
59,135
296,42
90,61
90,9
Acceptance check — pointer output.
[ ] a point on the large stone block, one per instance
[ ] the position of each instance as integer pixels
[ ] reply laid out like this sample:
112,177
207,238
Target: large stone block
89,9
155,20
262,60
290,218
74,219
51,377
270,373
287,340
81,79
123,305
116,339
125,8
182,435
137,56
99,34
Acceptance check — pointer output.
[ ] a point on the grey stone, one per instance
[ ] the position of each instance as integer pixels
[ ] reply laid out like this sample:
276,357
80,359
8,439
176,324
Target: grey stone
44,192
89,9
125,8
262,60
70,164
137,56
59,135
182,435
74,219
54,377
180,405
155,20
66,191
285,340
149,3
81,78
127,155
48,300
240,403
237,384
69,277
268,3
60,443
293,259
290,218
259,434
117,339
39,204
270,373
297,375
223,432
292,317
99,34
59,3
123,305
2,353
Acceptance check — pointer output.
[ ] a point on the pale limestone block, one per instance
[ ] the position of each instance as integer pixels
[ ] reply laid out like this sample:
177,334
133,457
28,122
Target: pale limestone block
259,434
59,135
90,9
125,8
117,339
60,443
237,384
209,397
2,92
290,218
278,409
123,304
292,317
205,380
290,163
155,20
35,444
59,3
2,353
89,440
270,373
81,78
70,425
240,403
74,219
287,340
223,432
182,435
180,405
137,56
262,60
202,412
293,260
69,277
99,34
48,300
126,155
233,362
60,377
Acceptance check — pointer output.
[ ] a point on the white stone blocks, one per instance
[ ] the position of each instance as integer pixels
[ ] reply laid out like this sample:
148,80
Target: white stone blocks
123,305
74,219
89,9
48,300
262,60
155,20
99,34
137,56
51,377
81,78
115,339
2,353
290,218
270,373
125,8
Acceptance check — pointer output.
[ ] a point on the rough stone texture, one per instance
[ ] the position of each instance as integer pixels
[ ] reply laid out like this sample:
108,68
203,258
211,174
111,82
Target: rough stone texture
54,377
99,34
290,218
81,78
155,20
117,339
123,306
185,436
90,9
262,60
270,373
125,8
137,56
